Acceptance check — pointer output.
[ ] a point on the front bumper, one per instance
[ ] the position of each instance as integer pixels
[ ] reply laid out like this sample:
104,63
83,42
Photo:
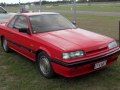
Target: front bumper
83,67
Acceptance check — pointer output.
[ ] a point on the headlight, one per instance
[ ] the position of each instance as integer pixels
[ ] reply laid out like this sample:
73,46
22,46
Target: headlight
112,45
66,56
75,54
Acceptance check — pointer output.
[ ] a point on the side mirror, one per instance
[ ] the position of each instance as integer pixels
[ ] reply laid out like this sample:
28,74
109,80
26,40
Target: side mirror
24,30
74,23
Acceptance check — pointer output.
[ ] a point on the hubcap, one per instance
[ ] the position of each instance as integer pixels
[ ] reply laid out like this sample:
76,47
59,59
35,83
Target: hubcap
44,65
5,44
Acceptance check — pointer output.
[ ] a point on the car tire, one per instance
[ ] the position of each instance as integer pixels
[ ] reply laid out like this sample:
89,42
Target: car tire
44,65
5,45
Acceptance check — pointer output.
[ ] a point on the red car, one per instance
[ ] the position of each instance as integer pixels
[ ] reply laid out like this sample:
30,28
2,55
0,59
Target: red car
56,45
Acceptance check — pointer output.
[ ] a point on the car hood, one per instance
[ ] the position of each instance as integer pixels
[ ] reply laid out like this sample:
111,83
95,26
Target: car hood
76,39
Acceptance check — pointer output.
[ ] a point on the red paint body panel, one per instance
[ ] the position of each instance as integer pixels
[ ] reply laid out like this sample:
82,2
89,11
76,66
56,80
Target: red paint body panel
56,42
74,39
81,69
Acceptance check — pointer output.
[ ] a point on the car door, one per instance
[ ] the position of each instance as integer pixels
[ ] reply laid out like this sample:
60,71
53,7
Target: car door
21,41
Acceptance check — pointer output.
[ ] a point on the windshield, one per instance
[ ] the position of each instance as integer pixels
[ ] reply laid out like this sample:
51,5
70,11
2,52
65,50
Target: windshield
49,22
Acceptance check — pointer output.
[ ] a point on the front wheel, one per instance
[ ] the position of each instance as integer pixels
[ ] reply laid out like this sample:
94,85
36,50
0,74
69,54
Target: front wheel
44,65
5,45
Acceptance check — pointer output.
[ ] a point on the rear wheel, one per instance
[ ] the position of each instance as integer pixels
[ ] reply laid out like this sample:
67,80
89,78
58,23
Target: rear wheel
5,45
44,65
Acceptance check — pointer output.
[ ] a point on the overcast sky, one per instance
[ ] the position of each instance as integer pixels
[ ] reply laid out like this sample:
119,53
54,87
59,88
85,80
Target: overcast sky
22,1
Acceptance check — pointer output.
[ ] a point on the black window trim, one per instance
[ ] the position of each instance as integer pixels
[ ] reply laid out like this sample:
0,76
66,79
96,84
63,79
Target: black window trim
17,16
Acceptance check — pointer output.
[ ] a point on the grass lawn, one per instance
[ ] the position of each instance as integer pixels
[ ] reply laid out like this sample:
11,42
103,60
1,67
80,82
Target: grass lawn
93,7
107,7
18,73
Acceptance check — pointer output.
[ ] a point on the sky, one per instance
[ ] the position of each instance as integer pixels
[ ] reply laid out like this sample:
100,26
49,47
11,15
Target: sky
22,1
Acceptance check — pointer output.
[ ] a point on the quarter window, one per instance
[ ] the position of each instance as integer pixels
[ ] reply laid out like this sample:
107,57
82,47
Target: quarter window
21,22
10,25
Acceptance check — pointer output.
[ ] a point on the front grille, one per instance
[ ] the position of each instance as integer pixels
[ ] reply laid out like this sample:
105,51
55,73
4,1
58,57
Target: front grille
94,52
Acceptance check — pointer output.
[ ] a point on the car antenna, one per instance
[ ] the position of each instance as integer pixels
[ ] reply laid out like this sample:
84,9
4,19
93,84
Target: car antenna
40,6
19,7
119,34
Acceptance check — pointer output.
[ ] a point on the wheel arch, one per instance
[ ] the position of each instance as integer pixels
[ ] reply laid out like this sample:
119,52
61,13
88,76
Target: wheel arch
42,50
1,37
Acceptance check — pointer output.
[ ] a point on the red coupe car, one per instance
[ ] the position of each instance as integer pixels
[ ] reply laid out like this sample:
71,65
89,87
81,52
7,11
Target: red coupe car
56,45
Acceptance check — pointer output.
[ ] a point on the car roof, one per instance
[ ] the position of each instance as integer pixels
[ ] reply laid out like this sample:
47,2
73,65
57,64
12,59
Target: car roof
37,13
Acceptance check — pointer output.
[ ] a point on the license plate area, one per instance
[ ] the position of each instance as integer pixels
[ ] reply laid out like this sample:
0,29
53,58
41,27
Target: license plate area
100,64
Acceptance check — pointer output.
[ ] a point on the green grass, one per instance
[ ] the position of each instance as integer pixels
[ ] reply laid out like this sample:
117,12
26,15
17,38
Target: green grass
18,73
99,8
107,7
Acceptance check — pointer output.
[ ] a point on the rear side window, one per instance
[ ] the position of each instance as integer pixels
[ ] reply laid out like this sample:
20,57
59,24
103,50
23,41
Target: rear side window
11,24
21,22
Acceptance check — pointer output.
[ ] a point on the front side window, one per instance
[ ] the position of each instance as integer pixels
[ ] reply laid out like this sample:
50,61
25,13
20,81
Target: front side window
49,22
